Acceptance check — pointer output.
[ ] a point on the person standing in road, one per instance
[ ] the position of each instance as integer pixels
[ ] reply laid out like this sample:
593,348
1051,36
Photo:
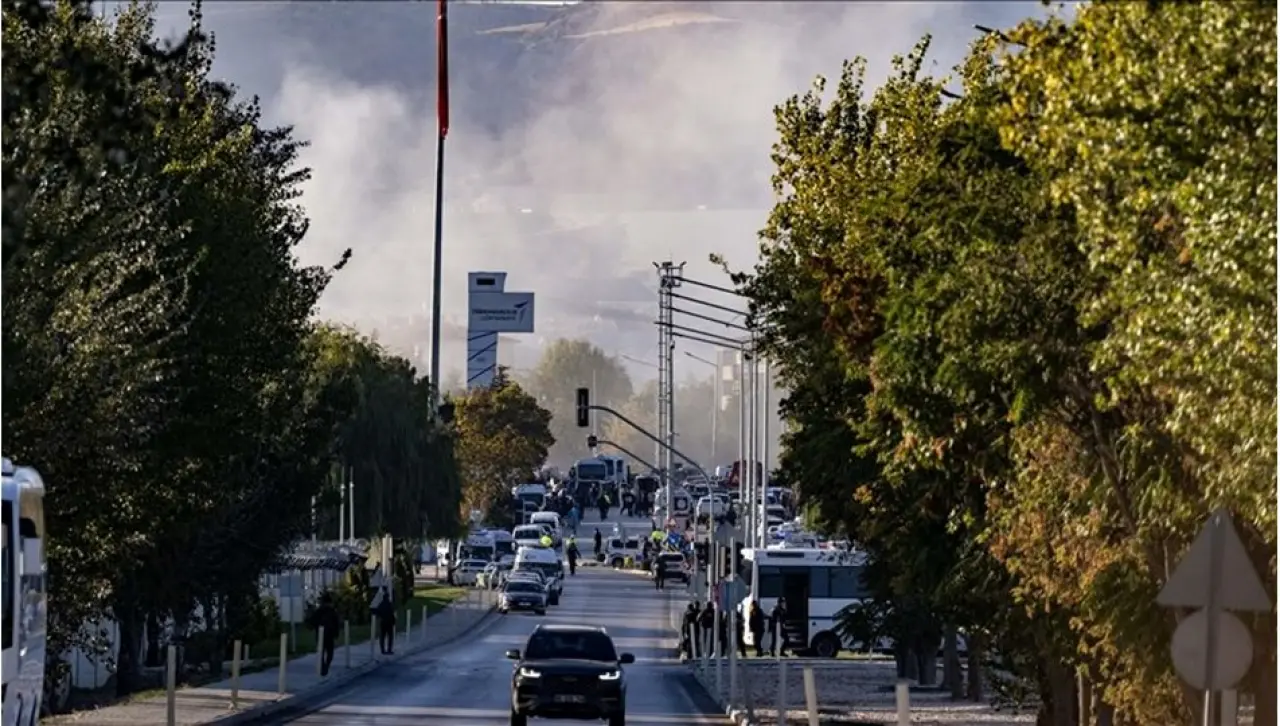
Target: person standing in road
326,623
755,623
689,630
659,574
740,627
599,538
778,626
385,610
574,517
707,620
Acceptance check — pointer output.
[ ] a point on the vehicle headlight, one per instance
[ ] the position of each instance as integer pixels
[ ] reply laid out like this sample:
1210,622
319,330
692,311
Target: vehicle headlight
611,676
530,673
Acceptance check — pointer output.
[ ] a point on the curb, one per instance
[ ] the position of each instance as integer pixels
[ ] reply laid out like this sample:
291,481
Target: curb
299,700
736,715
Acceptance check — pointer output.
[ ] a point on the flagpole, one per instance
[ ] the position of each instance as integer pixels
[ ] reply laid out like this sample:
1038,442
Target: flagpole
442,112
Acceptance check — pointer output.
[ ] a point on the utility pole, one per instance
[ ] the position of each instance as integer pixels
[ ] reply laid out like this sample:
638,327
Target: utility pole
669,278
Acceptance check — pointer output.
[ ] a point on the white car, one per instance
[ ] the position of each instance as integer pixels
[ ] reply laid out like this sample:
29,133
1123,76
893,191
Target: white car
468,571
617,550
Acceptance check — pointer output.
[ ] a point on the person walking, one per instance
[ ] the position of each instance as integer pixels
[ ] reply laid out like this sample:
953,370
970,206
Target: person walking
384,609
599,538
755,623
659,573
326,623
778,626
571,553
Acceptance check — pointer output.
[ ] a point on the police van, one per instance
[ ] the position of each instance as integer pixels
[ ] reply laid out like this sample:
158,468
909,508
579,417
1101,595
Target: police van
547,562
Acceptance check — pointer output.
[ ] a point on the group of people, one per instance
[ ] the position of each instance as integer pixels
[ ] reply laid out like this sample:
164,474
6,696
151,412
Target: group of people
326,622
699,621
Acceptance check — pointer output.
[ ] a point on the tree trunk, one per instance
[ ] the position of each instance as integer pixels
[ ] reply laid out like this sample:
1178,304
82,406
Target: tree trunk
1264,671
951,674
977,647
1104,713
1084,700
213,623
128,665
154,655
1062,694
927,664
901,657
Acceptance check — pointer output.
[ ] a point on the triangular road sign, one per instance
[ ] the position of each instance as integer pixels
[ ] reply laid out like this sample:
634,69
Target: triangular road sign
1240,589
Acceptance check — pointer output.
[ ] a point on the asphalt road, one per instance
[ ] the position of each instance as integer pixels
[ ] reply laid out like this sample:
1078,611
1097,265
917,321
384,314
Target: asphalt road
469,683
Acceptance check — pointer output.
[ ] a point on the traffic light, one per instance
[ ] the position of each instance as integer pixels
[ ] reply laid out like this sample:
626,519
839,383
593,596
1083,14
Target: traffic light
592,441
584,407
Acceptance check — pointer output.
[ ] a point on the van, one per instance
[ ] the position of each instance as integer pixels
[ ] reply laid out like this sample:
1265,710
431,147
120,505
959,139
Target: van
551,519
547,562
529,535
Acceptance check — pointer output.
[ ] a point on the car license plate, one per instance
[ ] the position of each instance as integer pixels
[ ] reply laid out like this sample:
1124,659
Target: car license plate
570,698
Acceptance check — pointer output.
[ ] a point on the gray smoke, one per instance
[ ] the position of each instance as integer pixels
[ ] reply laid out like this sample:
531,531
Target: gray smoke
586,142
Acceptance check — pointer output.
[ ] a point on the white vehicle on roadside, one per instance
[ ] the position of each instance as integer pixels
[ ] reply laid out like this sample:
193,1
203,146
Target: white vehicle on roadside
529,535
546,562
618,549
25,600
468,571
817,584
552,522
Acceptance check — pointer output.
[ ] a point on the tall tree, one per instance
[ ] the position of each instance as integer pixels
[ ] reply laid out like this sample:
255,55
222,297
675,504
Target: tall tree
503,438
565,366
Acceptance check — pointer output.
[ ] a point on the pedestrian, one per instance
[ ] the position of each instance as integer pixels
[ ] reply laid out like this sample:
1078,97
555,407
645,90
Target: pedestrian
778,624
755,623
722,631
628,503
689,630
706,620
384,609
326,623
659,574
571,552
599,538
740,630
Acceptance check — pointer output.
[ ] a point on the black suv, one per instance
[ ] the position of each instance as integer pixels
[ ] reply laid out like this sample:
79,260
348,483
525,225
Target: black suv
569,671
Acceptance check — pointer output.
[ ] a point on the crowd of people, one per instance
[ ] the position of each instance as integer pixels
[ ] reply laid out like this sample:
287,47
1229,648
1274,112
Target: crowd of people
705,630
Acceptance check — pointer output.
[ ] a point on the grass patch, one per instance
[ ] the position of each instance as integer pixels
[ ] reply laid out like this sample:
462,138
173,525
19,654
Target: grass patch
434,597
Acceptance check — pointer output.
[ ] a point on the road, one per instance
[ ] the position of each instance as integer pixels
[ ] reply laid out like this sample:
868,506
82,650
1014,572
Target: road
468,684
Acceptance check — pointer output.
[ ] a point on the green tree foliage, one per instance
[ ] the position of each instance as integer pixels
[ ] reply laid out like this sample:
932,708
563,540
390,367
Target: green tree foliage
1030,332
503,438
400,460
565,366
160,364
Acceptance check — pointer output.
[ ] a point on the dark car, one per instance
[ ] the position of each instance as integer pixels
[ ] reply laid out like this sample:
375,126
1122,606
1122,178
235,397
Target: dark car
673,566
523,595
569,671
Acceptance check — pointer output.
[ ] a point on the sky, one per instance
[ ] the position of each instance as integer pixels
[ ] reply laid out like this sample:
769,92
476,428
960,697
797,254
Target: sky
690,124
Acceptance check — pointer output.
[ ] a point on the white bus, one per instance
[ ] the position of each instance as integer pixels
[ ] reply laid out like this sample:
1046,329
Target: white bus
25,604
816,584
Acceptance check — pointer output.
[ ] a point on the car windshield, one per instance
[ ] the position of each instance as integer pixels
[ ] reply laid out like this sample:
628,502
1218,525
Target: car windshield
580,645
523,586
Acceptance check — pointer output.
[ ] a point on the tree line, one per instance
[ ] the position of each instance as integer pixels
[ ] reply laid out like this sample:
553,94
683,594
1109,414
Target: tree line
163,366
1026,316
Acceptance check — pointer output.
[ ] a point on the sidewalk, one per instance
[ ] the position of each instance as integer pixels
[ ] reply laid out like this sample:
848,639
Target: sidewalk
259,693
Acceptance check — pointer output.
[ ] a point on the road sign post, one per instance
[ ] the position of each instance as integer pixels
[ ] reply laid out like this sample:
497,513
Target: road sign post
1211,648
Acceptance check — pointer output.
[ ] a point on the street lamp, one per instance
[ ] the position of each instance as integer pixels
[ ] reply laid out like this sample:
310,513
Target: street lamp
715,404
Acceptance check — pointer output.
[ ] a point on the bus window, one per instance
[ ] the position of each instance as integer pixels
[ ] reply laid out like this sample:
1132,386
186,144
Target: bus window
819,582
10,567
846,583
770,583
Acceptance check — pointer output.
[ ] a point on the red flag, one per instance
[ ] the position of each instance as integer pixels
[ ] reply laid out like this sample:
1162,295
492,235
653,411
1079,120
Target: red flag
442,67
